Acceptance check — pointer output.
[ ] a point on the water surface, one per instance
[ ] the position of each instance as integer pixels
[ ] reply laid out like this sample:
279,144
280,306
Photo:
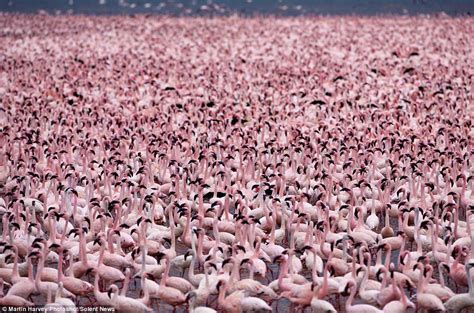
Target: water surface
245,7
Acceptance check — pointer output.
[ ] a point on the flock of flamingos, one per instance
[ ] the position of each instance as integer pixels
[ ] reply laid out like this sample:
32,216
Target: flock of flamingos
237,164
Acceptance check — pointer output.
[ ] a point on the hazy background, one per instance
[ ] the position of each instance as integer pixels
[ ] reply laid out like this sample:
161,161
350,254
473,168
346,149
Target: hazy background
247,7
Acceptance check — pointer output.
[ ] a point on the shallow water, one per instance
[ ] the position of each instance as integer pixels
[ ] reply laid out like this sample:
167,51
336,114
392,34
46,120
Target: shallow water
248,7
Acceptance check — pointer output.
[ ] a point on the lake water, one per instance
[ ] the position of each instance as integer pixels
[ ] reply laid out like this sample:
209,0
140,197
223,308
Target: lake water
245,7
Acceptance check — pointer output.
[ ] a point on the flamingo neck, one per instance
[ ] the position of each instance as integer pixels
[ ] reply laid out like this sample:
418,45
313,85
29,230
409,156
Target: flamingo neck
387,256
60,266
351,298
167,272
186,229
15,265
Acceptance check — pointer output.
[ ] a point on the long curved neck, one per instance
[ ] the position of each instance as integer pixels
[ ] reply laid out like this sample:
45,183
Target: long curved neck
215,232
418,241
126,282
429,275
39,271
52,229
221,297
251,270
226,207
421,280
5,229
350,220
456,223
364,279
378,261
186,228
201,202
235,275
29,265
283,218
324,288
115,296
15,265
402,247
272,232
110,242
167,272
283,273
191,268
146,292
385,278
448,254
387,256
387,218
49,295
290,263
441,276
82,248
60,267
406,217
206,277
457,259
101,255
173,233
192,305
351,298
314,271
344,249
119,245
200,246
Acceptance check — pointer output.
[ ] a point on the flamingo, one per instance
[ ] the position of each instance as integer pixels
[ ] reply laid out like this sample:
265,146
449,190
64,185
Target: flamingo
208,147
237,301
